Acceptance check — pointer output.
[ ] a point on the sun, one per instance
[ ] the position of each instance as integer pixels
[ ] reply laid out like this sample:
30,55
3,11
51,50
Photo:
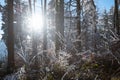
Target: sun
36,22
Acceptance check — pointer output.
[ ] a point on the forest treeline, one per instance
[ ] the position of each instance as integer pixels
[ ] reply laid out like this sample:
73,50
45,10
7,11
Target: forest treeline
76,41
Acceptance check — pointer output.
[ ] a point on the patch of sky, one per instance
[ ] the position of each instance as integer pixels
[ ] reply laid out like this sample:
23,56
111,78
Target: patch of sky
104,4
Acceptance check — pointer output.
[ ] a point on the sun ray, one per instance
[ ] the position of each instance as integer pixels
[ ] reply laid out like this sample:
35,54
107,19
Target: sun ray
36,22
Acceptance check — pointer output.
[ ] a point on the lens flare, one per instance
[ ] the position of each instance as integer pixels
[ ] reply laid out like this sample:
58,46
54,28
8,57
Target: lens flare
36,23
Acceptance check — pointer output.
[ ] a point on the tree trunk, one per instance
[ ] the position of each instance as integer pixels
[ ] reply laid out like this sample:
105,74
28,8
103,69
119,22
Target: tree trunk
116,18
94,41
30,6
35,66
34,6
59,24
10,45
78,43
45,34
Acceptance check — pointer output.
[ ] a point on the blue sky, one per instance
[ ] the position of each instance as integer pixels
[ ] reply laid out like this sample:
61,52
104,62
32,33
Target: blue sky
2,2
104,4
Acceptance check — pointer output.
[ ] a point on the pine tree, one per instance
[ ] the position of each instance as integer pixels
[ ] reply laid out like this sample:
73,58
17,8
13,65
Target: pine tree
89,24
5,24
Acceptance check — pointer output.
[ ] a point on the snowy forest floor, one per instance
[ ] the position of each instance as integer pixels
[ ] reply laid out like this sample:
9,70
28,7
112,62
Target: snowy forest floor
96,67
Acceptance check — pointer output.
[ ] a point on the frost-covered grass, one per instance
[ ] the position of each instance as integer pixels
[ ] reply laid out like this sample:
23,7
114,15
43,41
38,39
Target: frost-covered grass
68,65
103,67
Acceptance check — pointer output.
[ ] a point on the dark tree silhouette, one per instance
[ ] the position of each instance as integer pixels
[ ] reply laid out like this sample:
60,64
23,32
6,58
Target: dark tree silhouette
10,45
116,18
78,43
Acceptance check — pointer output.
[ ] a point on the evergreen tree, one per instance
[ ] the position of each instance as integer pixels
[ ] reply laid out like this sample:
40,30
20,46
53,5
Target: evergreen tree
5,23
89,24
